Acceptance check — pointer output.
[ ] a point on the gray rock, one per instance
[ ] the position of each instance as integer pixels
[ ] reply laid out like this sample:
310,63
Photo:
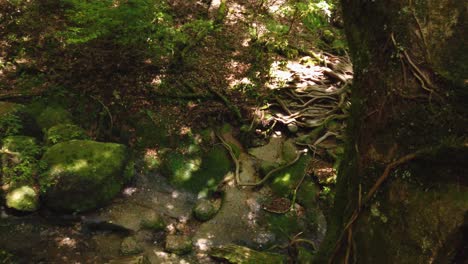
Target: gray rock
130,246
153,222
292,128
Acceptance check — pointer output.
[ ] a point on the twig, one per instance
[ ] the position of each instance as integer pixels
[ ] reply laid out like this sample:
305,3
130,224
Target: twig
107,111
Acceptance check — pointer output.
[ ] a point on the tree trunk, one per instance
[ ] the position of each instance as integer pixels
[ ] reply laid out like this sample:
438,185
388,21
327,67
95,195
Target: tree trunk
402,191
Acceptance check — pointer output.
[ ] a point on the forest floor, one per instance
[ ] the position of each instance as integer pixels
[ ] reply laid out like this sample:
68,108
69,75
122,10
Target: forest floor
268,84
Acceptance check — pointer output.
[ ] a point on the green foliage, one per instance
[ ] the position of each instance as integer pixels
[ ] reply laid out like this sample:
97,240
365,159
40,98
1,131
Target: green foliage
126,22
19,161
64,132
315,14
10,124
6,257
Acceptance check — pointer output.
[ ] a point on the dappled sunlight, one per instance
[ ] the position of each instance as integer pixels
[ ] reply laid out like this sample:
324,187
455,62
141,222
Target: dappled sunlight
66,242
204,244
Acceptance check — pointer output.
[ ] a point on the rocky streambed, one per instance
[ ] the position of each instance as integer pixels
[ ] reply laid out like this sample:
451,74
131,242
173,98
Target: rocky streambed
202,198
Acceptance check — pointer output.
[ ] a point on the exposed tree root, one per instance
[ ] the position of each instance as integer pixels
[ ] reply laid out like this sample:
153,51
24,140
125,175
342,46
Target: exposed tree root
348,228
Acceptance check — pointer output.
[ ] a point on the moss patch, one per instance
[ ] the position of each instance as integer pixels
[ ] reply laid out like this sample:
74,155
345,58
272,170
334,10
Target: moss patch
286,180
24,198
198,174
82,174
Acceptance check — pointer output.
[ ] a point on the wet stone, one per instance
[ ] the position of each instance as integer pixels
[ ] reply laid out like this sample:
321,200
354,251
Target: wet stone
153,222
178,244
204,210
130,246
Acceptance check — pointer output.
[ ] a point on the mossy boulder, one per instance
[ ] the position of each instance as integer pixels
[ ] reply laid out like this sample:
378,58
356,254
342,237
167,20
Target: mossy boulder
64,132
24,198
178,244
82,174
244,255
19,161
52,116
14,120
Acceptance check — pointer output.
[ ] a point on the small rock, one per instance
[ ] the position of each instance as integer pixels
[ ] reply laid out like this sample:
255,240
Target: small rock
24,198
204,210
178,244
292,128
130,246
154,222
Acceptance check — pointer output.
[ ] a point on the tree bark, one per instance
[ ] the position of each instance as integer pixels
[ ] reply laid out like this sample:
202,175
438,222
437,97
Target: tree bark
402,191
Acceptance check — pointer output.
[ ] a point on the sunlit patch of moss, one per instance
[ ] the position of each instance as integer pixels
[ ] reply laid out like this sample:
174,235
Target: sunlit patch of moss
82,174
286,180
24,198
198,174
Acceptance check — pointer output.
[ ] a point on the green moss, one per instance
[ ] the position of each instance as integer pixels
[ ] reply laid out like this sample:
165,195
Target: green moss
286,180
82,174
284,225
178,244
64,132
155,223
308,193
52,116
195,173
24,198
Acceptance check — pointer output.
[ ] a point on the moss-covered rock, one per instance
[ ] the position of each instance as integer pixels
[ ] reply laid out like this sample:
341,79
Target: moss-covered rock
196,173
204,210
24,198
154,222
244,255
64,132
52,116
129,246
284,181
82,174
308,193
178,244
19,161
